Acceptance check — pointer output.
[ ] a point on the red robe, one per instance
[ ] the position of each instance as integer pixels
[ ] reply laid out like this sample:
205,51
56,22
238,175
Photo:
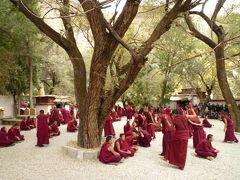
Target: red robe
107,156
56,116
13,132
190,127
108,128
131,140
206,123
72,112
205,149
72,126
145,140
168,131
198,134
31,123
229,134
129,112
130,131
66,115
176,152
4,141
119,111
124,147
150,127
24,126
42,129
115,116
141,121
126,127
54,130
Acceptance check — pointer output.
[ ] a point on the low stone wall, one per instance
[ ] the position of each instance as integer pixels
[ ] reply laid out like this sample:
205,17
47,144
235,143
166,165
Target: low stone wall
81,154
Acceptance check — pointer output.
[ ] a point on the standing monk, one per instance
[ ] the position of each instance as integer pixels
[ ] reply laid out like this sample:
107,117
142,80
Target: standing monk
140,120
150,122
108,128
42,129
176,152
168,130
204,148
56,116
107,153
228,128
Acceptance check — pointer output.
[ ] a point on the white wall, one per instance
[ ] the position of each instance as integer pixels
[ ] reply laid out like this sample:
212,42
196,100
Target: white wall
8,104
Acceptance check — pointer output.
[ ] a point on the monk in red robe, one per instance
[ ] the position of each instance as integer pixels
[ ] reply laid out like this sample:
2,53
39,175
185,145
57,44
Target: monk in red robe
176,152
72,126
14,133
129,112
42,129
108,128
72,114
228,128
119,111
168,129
121,146
144,138
31,122
54,130
56,116
204,148
66,115
150,122
140,121
198,134
206,123
4,140
115,116
126,127
132,140
107,153
24,126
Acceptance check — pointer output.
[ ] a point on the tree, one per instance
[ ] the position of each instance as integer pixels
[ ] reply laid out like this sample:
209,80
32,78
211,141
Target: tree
219,50
94,102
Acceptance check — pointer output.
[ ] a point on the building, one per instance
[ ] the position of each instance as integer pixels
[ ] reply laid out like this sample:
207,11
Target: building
6,106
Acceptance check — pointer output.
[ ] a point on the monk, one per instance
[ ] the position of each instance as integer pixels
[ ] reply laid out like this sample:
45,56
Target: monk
198,134
144,138
14,134
168,129
24,126
54,130
66,115
31,122
132,140
107,153
72,114
121,146
108,128
42,129
140,120
72,126
205,150
228,128
119,111
176,152
126,127
115,116
129,112
150,122
4,140
206,123
56,116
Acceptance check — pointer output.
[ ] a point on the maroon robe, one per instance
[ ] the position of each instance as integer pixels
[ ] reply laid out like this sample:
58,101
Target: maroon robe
56,116
131,140
124,147
145,140
108,128
130,131
229,134
54,130
126,127
72,126
168,131
198,134
176,152
4,141
141,121
119,111
150,126
115,116
66,115
204,149
42,129
129,112
107,156
190,127
13,132
206,123
24,126
31,123
72,112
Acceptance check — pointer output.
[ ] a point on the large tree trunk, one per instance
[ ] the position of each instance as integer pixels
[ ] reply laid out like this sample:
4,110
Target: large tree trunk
224,86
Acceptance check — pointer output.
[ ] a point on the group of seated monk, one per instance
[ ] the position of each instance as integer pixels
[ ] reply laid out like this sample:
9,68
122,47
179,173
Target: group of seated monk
12,136
27,124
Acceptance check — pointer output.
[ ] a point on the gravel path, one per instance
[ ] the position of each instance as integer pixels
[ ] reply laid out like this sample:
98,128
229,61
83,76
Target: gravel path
25,161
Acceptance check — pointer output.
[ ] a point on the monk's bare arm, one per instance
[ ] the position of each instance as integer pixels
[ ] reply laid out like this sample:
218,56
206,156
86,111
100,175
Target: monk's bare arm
112,151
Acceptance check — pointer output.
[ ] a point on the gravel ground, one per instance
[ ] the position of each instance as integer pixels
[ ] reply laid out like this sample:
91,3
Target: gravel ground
25,161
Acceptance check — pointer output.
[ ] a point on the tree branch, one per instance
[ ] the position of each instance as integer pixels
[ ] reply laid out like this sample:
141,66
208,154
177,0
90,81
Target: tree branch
218,7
